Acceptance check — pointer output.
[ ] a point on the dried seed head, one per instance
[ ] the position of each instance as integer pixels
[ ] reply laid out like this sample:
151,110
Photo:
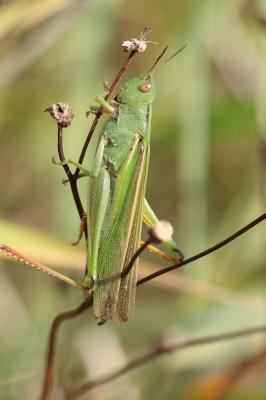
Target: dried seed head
134,45
62,113
161,232
137,45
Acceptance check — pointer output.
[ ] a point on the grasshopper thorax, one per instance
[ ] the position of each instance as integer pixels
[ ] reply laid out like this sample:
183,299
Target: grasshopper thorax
138,91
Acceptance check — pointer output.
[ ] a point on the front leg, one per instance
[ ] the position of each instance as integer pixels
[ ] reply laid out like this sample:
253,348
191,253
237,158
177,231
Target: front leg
96,165
107,107
85,171
150,219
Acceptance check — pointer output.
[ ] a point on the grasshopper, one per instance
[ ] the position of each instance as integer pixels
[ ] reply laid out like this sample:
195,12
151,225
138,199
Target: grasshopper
116,198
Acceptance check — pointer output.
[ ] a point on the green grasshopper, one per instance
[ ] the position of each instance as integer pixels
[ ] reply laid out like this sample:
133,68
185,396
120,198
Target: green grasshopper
116,198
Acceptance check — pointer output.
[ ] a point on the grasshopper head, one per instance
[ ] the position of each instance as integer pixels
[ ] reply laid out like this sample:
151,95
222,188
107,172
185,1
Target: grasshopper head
138,91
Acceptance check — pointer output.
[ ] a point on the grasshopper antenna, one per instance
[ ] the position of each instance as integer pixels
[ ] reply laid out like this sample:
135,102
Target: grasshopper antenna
152,69
157,60
175,54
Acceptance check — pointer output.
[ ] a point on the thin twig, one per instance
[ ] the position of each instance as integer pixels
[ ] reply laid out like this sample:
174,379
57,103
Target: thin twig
71,179
239,372
219,384
131,263
205,252
59,319
157,351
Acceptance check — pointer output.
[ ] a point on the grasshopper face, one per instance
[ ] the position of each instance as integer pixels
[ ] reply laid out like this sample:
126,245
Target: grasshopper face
138,91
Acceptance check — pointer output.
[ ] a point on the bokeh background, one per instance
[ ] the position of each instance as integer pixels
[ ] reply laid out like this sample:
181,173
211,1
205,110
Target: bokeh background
207,176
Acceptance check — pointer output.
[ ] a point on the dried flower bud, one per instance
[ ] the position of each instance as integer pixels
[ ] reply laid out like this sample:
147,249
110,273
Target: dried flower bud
62,113
134,45
161,232
137,45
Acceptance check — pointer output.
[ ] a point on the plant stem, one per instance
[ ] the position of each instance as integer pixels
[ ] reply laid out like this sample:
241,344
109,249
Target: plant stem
49,369
205,252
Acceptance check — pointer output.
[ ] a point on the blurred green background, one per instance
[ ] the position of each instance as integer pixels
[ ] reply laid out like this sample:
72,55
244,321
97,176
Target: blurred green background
207,176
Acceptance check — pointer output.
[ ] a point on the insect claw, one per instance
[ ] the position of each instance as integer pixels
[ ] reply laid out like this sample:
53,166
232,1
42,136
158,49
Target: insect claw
90,112
181,255
54,161
93,110
65,181
83,227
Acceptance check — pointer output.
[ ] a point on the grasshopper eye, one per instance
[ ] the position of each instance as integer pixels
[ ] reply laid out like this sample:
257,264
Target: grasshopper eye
145,87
